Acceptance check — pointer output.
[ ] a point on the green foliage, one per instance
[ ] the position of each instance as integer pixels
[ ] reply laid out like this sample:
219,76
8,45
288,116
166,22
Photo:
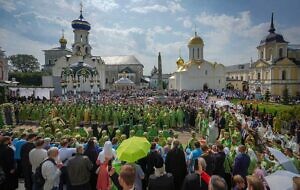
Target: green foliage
24,62
28,78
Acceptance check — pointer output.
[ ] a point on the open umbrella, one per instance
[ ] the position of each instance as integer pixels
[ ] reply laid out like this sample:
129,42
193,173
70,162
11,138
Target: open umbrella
132,149
281,180
283,160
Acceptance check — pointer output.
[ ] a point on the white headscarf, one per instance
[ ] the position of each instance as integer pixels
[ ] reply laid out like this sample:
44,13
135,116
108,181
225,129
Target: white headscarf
107,152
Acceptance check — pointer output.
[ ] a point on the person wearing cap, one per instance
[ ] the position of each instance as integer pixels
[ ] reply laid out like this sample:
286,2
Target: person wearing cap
160,179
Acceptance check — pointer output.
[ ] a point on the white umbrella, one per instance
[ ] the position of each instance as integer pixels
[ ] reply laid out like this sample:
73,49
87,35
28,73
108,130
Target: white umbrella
281,180
283,160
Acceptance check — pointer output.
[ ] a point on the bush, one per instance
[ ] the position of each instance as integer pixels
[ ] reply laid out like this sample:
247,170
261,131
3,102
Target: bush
27,78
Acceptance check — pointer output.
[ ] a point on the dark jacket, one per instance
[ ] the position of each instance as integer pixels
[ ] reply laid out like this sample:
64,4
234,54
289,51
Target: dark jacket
193,182
151,159
176,165
219,164
241,165
210,163
7,163
165,182
78,168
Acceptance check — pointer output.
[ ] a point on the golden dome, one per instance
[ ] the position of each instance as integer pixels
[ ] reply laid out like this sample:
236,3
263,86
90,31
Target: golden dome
196,40
62,40
180,61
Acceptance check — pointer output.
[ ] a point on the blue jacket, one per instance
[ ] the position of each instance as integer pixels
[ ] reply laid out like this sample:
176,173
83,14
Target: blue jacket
241,165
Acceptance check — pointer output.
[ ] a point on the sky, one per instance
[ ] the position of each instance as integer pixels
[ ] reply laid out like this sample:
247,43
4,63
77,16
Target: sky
231,29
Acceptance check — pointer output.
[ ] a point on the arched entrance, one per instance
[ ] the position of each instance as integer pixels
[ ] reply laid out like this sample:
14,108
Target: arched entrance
230,86
245,86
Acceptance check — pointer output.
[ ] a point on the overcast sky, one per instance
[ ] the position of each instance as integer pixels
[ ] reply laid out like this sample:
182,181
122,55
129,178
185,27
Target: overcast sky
231,29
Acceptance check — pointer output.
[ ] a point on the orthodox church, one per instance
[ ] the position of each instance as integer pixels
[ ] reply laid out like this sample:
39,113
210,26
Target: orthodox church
77,70
197,73
277,68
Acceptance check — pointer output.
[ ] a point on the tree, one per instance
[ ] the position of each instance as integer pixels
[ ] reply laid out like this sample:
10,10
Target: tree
24,62
285,96
267,95
154,71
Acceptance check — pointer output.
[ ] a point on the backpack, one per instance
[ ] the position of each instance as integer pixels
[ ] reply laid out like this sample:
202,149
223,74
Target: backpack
38,176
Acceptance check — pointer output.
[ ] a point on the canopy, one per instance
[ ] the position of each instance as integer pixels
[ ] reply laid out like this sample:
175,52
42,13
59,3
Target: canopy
283,160
281,180
124,82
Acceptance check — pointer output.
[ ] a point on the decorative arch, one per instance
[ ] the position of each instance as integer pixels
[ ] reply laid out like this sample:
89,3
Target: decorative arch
283,75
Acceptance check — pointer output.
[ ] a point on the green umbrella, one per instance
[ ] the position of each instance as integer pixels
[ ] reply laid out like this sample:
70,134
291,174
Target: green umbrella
132,149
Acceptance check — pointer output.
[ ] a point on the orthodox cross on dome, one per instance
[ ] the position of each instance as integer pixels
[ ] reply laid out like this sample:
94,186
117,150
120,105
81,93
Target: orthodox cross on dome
272,28
179,52
63,33
81,6
195,29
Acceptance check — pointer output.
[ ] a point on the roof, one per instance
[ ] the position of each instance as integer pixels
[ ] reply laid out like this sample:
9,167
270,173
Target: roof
121,60
58,49
124,81
126,70
196,40
239,67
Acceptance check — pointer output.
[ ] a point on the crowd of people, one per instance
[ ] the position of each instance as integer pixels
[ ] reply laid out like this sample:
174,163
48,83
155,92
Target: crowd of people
228,148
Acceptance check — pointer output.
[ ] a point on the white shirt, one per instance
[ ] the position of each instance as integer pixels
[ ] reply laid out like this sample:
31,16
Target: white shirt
36,156
51,175
66,153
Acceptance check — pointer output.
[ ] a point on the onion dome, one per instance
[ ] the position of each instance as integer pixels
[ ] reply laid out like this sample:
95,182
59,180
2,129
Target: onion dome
180,61
62,41
272,36
196,40
80,23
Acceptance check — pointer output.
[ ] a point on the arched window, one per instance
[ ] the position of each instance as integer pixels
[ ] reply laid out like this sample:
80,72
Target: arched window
280,53
270,54
205,72
198,53
86,50
258,76
262,54
283,75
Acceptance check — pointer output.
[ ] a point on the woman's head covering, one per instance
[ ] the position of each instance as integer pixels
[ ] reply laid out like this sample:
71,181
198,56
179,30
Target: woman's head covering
107,149
107,153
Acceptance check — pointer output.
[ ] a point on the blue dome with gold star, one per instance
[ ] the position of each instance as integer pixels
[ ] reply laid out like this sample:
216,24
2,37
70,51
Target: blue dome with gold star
80,23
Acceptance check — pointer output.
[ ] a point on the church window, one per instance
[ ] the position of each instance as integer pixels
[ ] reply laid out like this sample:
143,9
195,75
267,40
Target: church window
106,80
270,54
283,75
49,61
258,76
205,72
242,78
219,81
198,53
80,38
86,50
262,54
280,52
